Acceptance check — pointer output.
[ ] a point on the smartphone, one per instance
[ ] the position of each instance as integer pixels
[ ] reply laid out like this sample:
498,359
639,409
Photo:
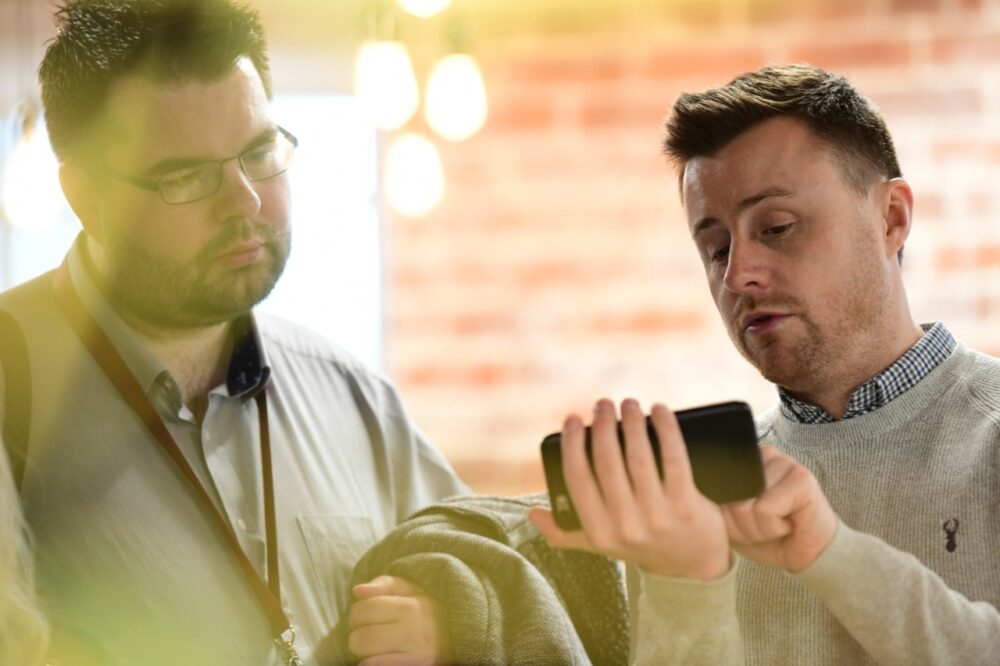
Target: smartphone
721,442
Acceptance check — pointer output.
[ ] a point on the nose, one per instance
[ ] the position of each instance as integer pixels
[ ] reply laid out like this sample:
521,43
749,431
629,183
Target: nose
237,198
748,269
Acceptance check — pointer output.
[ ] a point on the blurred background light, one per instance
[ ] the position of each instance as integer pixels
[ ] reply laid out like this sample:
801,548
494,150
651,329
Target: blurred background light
32,198
385,83
424,8
414,179
455,105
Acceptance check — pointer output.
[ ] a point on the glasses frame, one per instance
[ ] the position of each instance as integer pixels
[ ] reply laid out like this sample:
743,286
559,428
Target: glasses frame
153,184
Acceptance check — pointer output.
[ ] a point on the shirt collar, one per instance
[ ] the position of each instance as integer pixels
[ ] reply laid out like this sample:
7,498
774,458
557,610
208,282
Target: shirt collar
930,350
249,367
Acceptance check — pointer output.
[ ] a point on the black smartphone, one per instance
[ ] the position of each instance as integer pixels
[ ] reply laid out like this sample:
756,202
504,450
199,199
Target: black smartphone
721,442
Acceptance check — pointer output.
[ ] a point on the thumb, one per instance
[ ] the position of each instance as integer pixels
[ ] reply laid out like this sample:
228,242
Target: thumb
545,523
386,585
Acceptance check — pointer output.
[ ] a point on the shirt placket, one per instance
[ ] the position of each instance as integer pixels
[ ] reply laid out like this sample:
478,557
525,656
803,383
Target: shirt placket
230,442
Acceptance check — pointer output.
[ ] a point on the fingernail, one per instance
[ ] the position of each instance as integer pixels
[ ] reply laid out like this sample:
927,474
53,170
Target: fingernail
630,403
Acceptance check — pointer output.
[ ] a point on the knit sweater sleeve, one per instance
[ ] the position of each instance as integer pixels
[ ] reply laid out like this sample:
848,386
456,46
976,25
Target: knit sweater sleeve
683,621
900,611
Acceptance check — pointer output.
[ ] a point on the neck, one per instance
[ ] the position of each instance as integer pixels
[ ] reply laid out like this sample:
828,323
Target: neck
196,357
833,394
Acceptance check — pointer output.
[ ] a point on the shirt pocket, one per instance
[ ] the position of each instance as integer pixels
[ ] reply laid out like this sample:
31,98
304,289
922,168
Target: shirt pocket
335,543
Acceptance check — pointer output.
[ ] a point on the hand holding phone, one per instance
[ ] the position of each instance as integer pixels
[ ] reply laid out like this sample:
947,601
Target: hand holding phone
665,526
721,443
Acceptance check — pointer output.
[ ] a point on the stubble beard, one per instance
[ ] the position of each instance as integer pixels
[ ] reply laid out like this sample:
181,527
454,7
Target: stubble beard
169,294
809,360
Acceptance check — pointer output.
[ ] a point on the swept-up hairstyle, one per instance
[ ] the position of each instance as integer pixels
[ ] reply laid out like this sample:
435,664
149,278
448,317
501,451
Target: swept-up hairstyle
701,124
101,41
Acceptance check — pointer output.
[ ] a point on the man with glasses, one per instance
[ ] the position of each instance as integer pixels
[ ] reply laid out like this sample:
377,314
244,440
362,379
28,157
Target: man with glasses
200,479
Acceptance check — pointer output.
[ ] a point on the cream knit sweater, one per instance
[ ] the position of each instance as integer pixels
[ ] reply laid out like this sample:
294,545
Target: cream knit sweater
913,573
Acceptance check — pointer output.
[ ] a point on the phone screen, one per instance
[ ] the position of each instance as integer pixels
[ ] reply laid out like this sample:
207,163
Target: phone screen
721,442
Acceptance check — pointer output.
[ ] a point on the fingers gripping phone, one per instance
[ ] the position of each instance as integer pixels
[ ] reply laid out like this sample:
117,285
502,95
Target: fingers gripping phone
721,442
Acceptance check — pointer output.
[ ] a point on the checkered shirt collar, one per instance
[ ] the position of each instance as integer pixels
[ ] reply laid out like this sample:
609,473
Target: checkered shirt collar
930,350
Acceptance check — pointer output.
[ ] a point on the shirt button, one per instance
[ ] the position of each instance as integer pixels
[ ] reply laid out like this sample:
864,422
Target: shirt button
241,524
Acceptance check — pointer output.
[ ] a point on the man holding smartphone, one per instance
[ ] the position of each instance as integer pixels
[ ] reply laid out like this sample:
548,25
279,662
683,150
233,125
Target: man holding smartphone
876,538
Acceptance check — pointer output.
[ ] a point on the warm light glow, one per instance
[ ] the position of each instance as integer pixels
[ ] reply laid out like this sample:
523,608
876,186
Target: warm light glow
424,8
385,83
414,180
32,197
456,98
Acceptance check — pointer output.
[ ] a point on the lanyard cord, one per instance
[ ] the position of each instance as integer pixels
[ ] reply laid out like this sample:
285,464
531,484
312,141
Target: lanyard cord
100,347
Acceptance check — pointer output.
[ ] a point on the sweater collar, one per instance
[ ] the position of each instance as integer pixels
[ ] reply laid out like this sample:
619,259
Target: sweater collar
907,371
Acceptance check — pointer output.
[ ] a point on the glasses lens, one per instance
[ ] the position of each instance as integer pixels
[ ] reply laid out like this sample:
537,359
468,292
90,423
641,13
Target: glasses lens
268,160
190,184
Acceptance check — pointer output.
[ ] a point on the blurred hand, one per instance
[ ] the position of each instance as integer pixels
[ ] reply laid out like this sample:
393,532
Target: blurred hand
790,524
666,526
395,622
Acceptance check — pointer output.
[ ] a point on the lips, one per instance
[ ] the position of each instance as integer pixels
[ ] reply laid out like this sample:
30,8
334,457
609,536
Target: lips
242,254
762,320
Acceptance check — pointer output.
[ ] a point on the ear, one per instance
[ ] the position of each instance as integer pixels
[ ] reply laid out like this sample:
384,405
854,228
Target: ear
897,214
84,197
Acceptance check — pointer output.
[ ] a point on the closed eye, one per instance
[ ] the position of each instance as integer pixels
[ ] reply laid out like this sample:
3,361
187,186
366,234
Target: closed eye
777,230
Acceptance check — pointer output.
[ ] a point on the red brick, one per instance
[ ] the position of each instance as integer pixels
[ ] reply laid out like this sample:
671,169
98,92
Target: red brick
501,477
914,6
965,47
575,70
930,102
928,205
979,257
839,55
718,65
649,322
819,10
601,112
471,324
967,148
522,115
695,13
478,375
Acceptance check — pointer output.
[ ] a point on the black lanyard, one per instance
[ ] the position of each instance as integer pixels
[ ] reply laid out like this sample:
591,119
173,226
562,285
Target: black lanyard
97,343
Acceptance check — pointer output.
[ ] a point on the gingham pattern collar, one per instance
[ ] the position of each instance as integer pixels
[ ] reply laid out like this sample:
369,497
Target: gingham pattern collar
933,347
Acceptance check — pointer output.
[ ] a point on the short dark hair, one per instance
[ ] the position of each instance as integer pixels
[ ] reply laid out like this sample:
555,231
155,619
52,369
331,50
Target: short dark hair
101,41
701,124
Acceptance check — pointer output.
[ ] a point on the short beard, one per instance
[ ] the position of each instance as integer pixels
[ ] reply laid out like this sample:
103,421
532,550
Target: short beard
167,294
828,356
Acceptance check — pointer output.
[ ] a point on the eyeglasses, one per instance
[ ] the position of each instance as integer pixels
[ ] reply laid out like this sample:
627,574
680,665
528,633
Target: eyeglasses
203,179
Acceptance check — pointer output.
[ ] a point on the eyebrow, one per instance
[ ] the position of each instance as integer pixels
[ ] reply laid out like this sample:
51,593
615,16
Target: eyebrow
173,163
748,202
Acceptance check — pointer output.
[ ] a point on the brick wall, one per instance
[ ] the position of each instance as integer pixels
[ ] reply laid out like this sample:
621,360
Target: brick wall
558,268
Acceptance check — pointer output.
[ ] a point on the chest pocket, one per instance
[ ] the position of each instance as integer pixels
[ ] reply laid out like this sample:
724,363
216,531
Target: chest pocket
335,543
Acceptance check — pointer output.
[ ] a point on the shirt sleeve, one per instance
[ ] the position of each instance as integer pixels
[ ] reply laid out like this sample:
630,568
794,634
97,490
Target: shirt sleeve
684,621
419,474
900,611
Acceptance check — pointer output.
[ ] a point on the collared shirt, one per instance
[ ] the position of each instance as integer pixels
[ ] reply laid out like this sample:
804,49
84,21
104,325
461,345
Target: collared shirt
130,560
929,351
